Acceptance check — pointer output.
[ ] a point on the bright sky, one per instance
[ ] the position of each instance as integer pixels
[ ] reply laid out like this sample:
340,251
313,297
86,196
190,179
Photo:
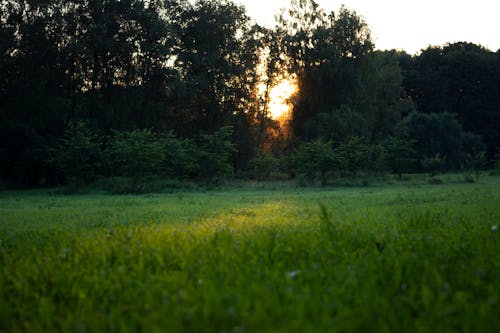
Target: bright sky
410,25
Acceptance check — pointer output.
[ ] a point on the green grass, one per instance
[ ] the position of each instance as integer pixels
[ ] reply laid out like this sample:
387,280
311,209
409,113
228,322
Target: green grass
401,258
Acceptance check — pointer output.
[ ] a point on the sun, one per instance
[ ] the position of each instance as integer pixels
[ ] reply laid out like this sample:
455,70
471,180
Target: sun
279,98
275,90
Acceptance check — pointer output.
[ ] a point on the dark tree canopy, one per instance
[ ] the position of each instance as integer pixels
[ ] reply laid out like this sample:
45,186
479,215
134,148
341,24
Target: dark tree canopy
459,78
82,81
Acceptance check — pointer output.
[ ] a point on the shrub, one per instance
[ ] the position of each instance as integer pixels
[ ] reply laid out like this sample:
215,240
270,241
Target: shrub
475,163
136,153
433,165
129,185
437,133
262,166
78,157
497,160
353,155
435,181
376,159
468,177
286,167
214,157
181,157
400,155
315,159
472,143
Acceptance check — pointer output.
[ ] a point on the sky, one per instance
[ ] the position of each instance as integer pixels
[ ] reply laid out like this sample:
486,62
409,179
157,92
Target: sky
409,25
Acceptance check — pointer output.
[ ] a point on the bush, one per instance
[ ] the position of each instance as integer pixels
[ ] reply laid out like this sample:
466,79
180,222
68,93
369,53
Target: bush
181,157
136,153
400,155
433,165
214,157
435,181
475,163
129,185
78,158
472,143
438,133
315,160
353,156
263,165
376,159
497,160
468,177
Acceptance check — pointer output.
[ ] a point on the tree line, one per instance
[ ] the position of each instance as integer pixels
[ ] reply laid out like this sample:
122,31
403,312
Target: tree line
137,88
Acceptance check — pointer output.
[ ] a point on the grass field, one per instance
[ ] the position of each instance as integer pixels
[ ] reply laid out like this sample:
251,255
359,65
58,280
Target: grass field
375,259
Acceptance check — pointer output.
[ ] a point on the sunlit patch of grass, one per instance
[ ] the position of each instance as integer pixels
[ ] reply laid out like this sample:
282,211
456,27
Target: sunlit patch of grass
373,259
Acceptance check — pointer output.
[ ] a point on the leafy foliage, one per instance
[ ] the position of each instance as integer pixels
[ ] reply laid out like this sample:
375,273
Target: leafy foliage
400,155
215,153
182,157
263,165
136,153
353,155
79,156
497,160
476,162
433,164
460,78
190,68
436,133
316,159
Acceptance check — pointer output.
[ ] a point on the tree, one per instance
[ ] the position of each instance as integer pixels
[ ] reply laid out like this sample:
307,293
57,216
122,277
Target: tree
122,48
216,56
345,89
459,78
382,101
32,103
104,62
327,55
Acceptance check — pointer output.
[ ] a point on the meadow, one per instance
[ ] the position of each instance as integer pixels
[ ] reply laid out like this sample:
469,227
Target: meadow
402,257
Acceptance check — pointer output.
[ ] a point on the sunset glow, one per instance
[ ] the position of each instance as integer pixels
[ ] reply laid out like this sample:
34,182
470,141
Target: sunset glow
279,98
